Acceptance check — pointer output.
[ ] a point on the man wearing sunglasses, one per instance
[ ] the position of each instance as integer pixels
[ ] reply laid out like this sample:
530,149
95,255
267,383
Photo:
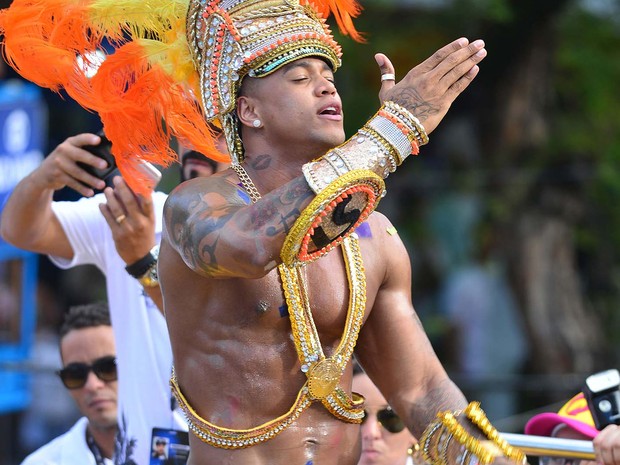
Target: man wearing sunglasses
89,373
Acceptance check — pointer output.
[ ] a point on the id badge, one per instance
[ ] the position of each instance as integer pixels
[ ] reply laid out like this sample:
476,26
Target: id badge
169,447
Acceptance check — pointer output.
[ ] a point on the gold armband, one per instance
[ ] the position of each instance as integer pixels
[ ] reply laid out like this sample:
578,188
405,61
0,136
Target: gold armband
348,182
477,416
332,215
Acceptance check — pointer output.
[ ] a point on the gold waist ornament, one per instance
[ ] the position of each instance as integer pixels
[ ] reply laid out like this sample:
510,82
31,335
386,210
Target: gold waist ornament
323,373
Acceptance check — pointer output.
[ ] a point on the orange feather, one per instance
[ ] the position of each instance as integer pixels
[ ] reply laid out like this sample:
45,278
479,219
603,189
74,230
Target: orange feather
343,10
140,104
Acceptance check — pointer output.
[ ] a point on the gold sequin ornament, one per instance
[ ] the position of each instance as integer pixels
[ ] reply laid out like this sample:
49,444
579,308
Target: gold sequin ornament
323,373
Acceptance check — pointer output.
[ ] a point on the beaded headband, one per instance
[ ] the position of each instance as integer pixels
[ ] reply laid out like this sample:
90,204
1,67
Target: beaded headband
170,67
231,39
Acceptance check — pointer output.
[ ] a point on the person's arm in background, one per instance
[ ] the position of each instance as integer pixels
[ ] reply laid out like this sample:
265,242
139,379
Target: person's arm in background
134,232
607,445
28,221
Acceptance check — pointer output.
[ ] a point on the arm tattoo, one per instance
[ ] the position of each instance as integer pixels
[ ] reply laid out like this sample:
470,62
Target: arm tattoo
439,398
209,225
292,202
199,238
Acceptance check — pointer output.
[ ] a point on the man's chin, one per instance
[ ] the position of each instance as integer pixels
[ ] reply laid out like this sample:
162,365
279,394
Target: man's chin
333,141
104,421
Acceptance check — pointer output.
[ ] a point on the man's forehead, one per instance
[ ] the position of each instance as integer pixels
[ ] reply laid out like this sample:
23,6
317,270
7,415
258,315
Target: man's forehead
307,62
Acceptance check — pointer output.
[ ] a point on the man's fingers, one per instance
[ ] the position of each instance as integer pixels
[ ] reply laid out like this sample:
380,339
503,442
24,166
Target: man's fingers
113,203
385,65
460,63
388,74
125,194
84,139
61,167
146,204
105,211
440,55
80,188
79,174
461,84
607,445
67,156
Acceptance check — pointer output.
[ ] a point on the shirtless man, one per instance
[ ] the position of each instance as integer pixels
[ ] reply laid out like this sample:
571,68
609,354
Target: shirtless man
235,359
262,336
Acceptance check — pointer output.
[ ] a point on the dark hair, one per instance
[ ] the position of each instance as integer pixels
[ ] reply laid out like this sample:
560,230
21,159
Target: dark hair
85,316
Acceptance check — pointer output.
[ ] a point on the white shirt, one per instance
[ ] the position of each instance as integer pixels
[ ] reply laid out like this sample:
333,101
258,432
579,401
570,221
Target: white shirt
143,351
69,449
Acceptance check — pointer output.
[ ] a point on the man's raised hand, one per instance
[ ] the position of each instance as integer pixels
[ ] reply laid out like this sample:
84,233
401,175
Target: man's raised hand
429,89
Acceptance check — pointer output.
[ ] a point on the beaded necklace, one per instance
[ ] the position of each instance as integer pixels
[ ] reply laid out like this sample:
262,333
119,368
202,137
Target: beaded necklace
323,372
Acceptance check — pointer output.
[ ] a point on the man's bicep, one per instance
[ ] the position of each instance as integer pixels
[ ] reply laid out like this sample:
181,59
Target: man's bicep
393,345
392,338
200,226
395,351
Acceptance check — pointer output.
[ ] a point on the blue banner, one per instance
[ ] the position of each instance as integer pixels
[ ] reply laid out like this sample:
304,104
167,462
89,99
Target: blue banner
23,123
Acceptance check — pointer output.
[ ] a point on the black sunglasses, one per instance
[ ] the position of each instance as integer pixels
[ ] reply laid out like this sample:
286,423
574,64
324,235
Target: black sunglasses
388,419
74,375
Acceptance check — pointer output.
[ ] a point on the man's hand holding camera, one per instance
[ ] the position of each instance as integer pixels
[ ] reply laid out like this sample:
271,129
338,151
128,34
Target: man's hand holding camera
60,168
131,219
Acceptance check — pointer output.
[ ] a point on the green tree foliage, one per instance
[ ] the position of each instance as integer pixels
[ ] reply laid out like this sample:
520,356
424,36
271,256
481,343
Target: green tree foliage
587,130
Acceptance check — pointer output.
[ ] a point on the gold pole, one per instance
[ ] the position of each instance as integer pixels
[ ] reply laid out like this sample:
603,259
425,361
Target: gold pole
551,447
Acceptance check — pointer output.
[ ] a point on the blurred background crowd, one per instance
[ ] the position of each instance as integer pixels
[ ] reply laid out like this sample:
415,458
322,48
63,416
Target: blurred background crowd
510,213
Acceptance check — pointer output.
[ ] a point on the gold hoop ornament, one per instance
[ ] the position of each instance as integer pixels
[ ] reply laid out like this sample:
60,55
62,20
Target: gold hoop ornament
332,215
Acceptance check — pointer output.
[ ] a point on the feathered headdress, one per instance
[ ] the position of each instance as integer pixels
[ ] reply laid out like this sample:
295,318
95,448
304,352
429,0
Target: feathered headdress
170,65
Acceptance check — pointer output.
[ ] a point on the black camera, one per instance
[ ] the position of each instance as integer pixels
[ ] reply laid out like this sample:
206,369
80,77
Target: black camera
103,151
602,392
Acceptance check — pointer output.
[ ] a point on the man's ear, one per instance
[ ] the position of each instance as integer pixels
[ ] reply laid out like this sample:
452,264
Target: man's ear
246,111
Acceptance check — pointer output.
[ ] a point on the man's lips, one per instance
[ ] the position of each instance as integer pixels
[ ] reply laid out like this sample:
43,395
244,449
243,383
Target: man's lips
332,111
99,403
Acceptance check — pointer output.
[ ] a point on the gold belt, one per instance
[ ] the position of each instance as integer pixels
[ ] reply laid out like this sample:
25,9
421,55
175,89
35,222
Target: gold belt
338,404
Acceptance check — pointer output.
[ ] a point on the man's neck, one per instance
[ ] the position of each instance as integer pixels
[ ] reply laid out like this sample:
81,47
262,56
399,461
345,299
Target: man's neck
269,173
104,439
270,169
